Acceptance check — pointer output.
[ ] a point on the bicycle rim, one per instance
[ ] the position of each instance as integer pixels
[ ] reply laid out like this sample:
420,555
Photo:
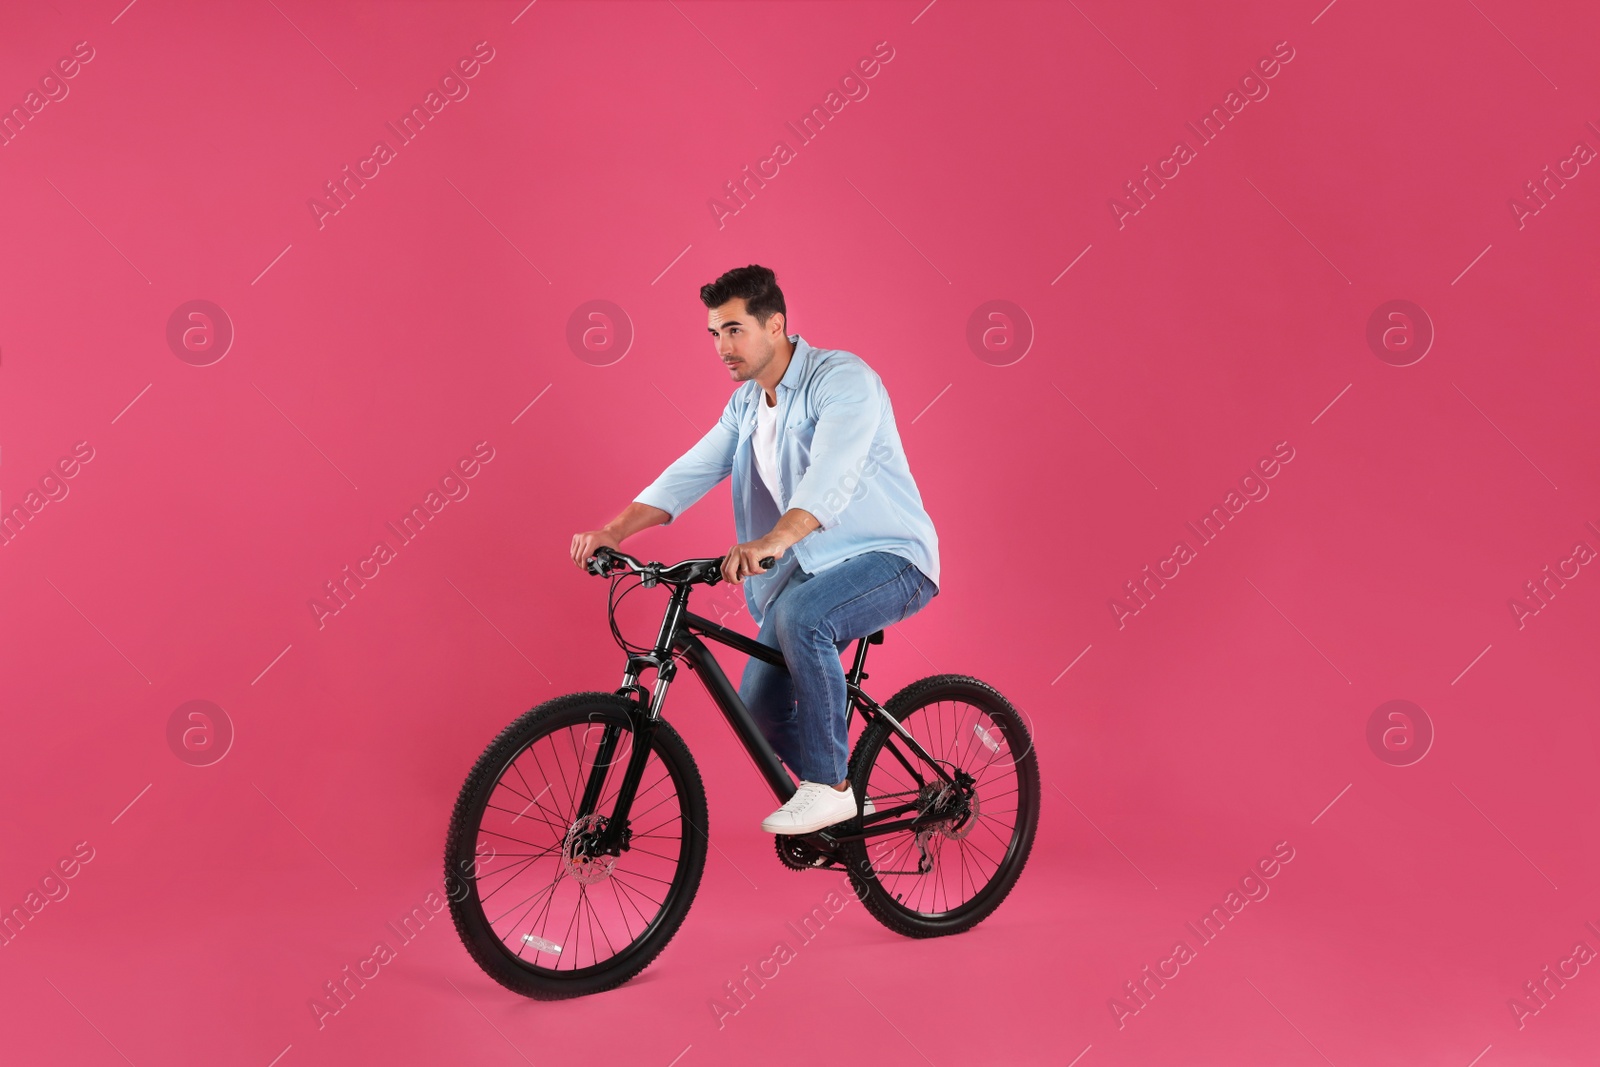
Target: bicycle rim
951,868
557,912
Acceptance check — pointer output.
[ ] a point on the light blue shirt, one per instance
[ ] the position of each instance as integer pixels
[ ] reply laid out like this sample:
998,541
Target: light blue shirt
839,458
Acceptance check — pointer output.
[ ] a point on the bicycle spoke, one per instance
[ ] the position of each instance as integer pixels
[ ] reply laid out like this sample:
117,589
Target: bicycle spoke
627,926
959,736
658,826
556,823
634,889
586,908
657,855
1002,843
616,761
640,814
501,783
993,819
508,837
629,893
651,877
516,815
538,762
566,938
544,921
961,851
579,780
993,864
549,782
609,945
520,868
538,893
544,900
890,745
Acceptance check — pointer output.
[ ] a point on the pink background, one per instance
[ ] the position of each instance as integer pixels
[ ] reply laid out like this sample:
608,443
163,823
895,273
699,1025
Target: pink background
371,353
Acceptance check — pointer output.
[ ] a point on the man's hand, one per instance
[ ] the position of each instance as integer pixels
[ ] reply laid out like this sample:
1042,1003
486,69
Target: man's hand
584,544
634,517
745,560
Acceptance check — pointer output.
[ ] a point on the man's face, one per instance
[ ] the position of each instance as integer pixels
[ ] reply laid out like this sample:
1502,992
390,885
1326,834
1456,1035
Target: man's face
743,344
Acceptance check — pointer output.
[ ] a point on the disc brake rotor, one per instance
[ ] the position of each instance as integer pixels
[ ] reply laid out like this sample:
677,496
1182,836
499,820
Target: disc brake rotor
584,868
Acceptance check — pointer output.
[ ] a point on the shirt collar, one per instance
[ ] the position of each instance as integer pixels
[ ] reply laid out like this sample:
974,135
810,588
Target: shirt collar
793,373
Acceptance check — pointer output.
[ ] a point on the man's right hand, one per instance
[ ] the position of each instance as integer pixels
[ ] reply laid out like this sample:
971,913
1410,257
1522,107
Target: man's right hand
584,544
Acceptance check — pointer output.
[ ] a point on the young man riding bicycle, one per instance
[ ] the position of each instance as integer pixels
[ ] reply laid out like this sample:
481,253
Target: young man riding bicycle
817,463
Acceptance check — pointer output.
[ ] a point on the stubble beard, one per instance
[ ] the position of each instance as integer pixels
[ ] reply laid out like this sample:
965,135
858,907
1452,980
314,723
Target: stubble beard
747,369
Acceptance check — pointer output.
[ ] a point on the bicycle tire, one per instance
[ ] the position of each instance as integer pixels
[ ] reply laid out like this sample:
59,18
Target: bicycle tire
881,901
463,848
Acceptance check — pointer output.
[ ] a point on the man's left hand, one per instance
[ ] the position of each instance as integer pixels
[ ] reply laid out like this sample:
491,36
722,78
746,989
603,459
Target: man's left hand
745,560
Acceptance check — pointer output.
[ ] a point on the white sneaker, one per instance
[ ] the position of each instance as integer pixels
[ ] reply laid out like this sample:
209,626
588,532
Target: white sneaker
815,805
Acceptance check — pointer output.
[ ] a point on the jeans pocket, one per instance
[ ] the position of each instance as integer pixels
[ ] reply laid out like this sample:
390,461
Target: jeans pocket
918,599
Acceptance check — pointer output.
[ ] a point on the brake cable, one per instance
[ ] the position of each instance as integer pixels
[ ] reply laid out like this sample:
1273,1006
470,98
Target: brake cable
612,602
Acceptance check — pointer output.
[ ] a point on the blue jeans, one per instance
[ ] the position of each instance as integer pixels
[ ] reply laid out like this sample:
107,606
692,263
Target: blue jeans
814,618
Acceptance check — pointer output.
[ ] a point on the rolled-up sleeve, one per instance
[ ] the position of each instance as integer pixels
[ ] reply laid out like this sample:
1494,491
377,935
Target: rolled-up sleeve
693,474
850,402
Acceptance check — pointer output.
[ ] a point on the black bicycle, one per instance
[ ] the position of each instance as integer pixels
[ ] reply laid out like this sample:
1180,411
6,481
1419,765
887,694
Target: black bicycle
577,843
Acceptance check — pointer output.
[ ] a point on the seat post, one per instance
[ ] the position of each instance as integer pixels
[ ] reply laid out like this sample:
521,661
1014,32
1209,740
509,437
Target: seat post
858,669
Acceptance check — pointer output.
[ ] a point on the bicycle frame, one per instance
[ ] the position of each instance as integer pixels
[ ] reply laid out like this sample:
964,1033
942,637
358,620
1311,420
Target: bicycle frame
680,634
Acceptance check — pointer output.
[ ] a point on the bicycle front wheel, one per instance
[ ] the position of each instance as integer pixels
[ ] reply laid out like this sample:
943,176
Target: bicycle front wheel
540,911
962,847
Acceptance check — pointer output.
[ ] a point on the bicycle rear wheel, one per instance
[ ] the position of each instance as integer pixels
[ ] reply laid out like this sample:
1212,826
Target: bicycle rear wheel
952,871
540,913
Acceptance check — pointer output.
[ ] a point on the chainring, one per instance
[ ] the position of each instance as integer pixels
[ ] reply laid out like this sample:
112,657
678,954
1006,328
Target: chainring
797,855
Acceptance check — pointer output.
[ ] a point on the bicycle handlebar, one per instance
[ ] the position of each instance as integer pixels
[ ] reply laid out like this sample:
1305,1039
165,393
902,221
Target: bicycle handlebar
607,561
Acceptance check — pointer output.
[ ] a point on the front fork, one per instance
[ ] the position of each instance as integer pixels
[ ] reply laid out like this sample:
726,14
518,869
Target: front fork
614,838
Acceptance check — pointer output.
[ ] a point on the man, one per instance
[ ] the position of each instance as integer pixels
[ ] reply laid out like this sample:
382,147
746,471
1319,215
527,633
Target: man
817,467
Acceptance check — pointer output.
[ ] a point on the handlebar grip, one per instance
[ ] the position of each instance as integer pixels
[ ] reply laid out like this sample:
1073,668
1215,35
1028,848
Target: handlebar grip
599,562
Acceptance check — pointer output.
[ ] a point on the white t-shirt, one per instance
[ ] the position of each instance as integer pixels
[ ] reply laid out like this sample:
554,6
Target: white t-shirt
765,443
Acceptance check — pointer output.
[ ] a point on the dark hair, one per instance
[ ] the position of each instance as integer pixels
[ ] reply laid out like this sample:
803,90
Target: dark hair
756,284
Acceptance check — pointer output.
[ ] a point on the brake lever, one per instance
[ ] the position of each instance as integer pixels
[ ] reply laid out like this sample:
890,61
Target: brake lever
601,567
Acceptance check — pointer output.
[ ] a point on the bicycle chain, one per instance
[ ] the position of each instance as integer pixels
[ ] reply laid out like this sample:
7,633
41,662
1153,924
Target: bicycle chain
799,856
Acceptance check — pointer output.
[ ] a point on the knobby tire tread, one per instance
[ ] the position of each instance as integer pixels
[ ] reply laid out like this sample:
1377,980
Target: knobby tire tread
879,902
486,949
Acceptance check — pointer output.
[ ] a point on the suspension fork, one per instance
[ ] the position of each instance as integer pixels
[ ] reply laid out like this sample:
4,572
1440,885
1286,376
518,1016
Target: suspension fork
616,836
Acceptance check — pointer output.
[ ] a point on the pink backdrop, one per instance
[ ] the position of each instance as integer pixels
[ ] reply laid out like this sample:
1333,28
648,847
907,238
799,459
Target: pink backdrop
1147,356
